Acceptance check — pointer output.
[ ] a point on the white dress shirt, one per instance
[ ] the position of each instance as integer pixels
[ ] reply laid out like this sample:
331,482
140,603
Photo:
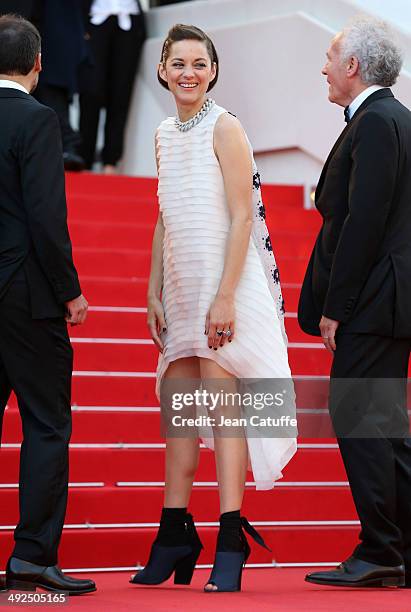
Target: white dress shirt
356,103
12,85
102,9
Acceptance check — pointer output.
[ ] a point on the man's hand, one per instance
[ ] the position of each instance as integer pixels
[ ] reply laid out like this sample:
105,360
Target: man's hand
328,328
76,310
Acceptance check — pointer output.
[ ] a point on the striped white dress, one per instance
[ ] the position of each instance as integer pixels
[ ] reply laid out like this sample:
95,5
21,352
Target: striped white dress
197,224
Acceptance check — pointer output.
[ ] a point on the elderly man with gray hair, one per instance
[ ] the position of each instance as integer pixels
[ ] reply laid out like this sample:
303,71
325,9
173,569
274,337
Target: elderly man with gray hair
356,295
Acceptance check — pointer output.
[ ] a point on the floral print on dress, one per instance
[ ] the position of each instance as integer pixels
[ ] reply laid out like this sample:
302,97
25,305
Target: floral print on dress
256,180
262,241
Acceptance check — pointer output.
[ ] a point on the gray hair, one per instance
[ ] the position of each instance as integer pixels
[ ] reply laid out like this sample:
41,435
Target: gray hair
372,42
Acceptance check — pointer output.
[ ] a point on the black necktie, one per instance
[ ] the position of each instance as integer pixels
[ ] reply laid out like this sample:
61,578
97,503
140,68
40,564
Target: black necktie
347,114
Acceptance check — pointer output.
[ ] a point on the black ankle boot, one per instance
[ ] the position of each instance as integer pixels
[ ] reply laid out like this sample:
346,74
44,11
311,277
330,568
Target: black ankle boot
175,549
229,537
173,528
232,552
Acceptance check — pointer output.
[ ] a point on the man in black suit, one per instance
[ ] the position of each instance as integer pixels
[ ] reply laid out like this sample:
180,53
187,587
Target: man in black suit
39,295
357,295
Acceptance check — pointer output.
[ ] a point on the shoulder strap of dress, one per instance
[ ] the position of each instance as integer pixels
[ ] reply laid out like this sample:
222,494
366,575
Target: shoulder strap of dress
166,124
215,113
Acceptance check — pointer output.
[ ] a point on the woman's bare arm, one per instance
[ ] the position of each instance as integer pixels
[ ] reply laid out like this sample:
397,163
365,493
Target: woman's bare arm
155,283
234,157
155,313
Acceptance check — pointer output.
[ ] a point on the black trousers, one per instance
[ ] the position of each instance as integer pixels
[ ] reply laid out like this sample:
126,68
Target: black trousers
58,99
378,465
36,363
116,54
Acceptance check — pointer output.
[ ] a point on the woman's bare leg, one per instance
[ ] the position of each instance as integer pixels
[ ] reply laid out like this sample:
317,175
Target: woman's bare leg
231,453
182,454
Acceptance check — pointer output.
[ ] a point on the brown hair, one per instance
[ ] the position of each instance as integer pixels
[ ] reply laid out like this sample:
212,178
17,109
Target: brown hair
20,43
187,32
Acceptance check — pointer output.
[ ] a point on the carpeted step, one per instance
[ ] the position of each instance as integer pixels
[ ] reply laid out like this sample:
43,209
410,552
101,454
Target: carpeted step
129,262
107,425
97,426
143,505
126,389
124,547
105,208
131,291
114,290
129,324
314,360
111,222
118,234
110,465
89,209
121,187
123,234
113,324
93,390
115,187
92,197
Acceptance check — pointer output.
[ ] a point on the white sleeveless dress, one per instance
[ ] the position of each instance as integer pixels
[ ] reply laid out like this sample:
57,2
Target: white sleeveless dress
197,223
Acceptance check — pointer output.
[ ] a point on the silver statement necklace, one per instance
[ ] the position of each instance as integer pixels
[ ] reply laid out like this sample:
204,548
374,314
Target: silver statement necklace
184,126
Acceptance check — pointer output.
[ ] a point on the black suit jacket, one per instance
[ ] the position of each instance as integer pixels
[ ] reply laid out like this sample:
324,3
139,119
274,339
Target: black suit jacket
62,25
86,10
64,48
25,8
360,268
33,212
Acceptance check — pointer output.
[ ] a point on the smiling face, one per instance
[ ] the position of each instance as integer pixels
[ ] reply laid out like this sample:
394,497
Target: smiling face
339,75
188,72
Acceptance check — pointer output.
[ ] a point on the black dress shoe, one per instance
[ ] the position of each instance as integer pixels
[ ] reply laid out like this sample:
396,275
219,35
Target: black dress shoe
3,586
357,573
73,162
25,576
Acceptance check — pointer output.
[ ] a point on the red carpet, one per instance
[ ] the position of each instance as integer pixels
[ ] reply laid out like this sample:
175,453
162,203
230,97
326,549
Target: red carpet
116,462
265,590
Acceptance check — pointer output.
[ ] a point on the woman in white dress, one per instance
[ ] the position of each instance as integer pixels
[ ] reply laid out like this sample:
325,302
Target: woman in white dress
215,309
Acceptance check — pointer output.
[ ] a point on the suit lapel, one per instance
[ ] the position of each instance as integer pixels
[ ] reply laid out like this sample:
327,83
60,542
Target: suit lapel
381,93
327,161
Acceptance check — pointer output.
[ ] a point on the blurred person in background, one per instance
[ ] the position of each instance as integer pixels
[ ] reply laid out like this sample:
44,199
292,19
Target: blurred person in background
65,57
116,33
166,2
24,8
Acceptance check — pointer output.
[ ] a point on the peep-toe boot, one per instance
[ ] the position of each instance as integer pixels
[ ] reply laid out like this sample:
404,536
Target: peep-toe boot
228,564
179,557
